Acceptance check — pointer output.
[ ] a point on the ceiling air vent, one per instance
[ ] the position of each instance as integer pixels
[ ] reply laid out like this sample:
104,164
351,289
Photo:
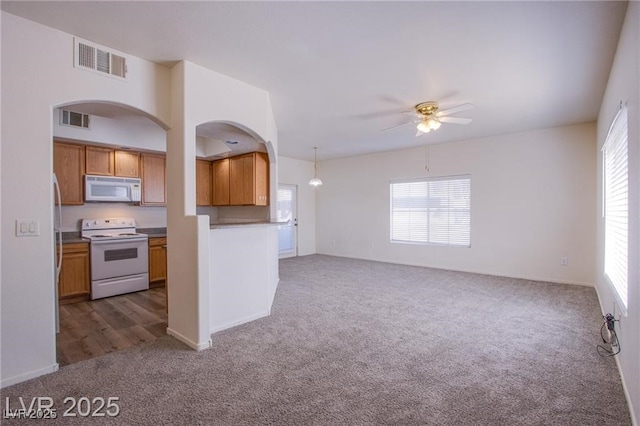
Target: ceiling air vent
74,119
92,57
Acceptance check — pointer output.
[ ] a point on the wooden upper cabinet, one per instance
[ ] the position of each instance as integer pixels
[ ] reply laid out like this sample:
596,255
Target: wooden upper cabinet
240,180
127,164
111,162
203,183
261,177
220,171
99,161
249,179
154,179
68,165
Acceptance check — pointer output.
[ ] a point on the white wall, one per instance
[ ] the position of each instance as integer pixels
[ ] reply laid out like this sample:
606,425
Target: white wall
133,132
623,85
29,92
298,172
532,202
145,217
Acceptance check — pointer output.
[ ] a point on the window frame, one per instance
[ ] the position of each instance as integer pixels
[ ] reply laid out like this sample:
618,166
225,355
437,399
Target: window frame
427,180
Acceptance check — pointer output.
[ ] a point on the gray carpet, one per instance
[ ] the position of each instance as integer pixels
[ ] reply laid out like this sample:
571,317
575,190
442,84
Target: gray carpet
357,342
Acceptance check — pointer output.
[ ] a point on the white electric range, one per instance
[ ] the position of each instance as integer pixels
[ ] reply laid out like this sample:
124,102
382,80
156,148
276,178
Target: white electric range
119,256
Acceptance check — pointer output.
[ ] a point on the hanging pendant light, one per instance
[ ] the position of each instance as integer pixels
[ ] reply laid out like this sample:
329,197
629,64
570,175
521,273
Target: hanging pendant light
315,181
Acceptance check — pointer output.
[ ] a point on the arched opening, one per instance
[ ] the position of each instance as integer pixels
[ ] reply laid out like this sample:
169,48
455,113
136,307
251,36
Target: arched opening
227,233
107,139
218,141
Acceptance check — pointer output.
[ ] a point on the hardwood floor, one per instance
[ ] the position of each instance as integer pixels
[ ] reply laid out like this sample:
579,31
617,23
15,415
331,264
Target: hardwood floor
93,328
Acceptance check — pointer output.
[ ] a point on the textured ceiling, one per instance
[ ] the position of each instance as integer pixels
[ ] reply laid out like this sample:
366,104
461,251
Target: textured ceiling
339,72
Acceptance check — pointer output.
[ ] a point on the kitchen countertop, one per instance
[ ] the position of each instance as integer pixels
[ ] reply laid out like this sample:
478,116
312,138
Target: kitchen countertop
72,237
153,232
220,225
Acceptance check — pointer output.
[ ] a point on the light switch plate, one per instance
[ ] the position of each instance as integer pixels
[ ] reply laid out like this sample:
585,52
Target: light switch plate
27,228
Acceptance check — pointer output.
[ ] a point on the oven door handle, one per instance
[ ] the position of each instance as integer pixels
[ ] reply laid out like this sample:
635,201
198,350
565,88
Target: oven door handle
124,241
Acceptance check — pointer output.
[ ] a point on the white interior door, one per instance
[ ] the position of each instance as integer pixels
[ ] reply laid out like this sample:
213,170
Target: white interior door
287,211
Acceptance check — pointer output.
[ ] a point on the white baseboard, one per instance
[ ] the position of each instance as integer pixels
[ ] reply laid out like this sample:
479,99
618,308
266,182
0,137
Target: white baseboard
193,345
273,295
471,271
240,321
30,375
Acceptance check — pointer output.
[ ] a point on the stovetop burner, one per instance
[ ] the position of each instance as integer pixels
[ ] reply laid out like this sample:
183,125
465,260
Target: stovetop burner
110,229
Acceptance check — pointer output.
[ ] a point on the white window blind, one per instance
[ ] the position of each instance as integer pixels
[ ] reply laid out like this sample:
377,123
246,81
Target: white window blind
616,206
432,211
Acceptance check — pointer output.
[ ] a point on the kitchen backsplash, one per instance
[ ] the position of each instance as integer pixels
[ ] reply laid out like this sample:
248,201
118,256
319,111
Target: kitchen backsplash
153,217
146,217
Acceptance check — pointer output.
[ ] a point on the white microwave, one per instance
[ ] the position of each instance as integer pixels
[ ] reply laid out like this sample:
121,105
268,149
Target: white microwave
112,189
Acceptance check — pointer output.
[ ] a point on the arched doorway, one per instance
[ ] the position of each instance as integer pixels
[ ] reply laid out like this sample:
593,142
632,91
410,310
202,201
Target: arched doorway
91,138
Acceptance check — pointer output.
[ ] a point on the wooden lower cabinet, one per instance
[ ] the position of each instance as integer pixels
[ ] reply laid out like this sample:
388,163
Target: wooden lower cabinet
75,282
157,262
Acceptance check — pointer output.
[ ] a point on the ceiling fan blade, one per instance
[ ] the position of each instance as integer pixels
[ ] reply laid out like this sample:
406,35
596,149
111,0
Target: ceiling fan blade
453,110
398,125
412,113
377,114
455,120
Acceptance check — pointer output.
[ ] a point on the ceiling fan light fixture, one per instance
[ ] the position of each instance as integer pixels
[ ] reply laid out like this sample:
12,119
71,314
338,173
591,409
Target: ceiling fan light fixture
423,126
429,124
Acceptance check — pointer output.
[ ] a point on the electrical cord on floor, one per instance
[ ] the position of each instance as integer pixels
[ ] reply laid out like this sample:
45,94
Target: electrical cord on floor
610,324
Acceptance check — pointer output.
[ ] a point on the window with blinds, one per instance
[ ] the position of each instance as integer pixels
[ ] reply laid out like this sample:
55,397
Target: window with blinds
616,206
432,211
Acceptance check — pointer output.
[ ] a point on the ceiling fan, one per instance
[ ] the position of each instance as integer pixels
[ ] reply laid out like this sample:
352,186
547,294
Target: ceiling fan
430,117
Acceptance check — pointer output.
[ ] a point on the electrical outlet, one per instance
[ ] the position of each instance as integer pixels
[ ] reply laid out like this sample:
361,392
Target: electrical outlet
564,261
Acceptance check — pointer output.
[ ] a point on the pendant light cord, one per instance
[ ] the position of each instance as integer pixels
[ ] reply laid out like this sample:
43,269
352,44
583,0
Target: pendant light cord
315,161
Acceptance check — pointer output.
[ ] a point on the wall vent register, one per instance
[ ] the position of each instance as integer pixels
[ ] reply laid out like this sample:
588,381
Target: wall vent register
74,119
92,57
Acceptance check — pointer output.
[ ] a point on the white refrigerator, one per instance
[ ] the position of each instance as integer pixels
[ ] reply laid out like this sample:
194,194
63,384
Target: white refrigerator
57,240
